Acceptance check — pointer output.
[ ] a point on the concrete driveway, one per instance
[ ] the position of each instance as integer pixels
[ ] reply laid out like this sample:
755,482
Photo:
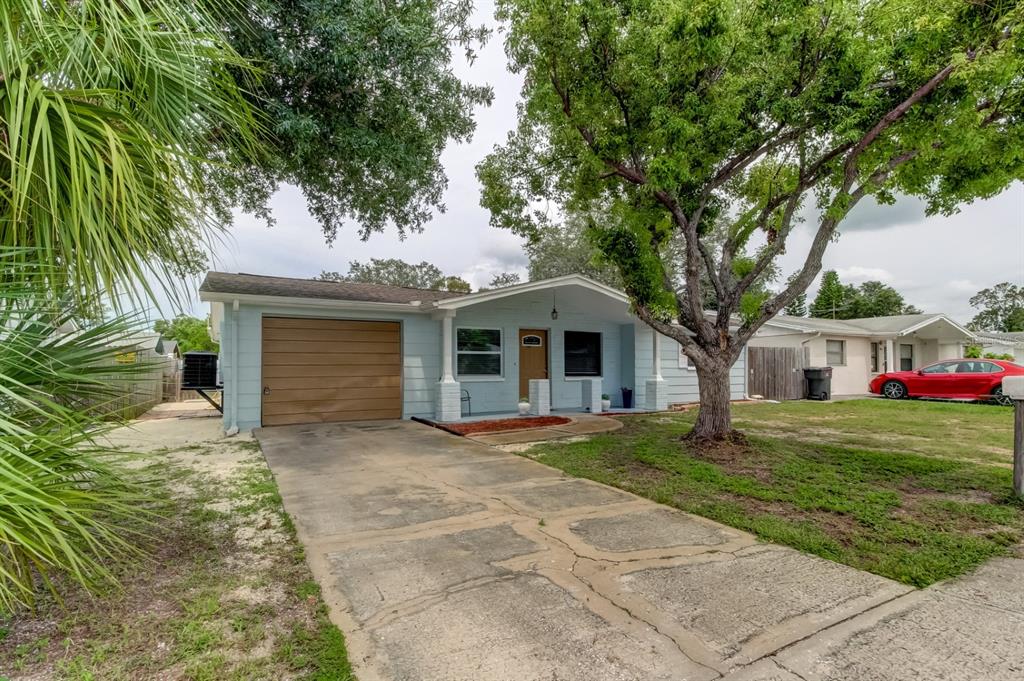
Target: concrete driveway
444,559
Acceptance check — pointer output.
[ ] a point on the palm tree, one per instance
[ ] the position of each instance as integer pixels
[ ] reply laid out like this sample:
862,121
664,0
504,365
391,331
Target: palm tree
113,116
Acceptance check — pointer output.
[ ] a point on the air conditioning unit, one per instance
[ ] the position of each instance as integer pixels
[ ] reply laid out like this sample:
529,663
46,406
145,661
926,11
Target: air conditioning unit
199,371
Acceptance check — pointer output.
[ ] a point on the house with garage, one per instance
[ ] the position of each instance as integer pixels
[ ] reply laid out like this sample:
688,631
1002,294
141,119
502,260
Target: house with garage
860,349
308,351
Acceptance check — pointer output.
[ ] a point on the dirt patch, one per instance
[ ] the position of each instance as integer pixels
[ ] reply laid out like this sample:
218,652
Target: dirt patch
501,425
736,456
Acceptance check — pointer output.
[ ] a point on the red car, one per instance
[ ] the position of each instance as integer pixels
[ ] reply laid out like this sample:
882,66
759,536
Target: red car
965,379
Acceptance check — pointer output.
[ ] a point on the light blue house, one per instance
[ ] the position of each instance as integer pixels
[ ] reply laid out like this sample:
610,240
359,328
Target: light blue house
307,351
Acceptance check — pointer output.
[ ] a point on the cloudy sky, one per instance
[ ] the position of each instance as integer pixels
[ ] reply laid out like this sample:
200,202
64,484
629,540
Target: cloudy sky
937,262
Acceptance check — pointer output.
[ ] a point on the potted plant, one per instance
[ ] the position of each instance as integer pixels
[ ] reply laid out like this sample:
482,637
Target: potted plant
524,406
606,402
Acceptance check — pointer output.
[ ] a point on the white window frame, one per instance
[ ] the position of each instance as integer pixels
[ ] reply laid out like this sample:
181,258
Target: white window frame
911,358
684,361
500,353
842,341
600,349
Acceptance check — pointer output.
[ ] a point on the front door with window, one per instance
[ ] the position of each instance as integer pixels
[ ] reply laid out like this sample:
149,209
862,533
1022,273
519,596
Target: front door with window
533,358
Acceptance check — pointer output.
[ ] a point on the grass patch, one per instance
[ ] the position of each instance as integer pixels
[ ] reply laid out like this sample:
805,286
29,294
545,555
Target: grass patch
227,594
917,512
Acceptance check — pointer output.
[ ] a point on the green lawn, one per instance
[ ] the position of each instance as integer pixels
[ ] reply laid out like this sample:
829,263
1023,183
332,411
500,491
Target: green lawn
226,596
915,491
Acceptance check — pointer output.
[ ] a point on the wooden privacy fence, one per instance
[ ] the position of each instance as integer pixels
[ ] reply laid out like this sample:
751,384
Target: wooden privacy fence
136,394
777,373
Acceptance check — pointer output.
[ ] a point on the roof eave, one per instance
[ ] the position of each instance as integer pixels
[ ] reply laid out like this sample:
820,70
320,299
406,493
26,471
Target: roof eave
319,303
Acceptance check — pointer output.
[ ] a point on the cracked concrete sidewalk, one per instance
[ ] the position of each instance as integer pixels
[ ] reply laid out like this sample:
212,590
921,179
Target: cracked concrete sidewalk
445,559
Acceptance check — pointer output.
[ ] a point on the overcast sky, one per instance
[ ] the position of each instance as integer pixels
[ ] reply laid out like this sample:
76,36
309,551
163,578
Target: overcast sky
937,262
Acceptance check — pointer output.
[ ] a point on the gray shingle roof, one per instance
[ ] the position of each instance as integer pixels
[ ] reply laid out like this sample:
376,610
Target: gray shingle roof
858,327
259,285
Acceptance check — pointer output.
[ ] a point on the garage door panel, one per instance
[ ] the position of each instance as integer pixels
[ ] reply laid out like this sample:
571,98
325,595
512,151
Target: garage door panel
328,324
320,393
328,406
323,370
332,347
366,415
331,359
314,371
330,335
349,382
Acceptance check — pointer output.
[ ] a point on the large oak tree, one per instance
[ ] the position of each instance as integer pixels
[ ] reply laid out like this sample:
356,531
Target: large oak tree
684,118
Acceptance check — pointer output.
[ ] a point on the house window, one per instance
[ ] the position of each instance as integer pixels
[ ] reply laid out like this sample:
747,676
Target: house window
684,361
582,353
874,358
906,357
835,353
478,352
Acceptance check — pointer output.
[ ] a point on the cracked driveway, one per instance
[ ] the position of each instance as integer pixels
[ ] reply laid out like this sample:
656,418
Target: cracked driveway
444,559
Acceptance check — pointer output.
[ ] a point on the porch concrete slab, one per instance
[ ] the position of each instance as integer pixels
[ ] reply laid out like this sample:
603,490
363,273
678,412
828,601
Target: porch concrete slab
653,528
759,599
567,494
524,628
379,576
926,635
588,425
513,437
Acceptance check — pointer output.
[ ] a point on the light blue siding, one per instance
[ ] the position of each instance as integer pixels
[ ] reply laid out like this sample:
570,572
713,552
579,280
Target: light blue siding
682,381
533,311
421,357
626,351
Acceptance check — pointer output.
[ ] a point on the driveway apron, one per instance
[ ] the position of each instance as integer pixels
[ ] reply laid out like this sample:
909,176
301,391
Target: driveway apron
445,559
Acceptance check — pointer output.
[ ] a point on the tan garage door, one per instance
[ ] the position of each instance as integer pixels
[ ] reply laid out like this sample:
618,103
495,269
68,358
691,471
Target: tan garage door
319,370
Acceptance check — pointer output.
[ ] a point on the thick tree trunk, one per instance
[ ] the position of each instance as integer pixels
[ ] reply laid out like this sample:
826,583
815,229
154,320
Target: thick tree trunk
714,419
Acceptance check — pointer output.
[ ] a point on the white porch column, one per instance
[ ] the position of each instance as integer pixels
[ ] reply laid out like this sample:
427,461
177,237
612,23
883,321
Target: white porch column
590,392
891,361
656,389
448,395
447,375
540,396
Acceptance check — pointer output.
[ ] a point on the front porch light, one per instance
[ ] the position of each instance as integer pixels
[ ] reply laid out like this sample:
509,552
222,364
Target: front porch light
554,310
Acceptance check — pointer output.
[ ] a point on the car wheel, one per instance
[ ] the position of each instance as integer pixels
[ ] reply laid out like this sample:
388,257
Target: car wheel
999,398
894,390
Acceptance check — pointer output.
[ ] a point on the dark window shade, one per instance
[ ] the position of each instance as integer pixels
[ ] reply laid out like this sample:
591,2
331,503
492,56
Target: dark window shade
479,365
582,353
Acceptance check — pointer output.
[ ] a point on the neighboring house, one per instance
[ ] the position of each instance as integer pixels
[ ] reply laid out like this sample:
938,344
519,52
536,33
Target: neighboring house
299,350
171,349
859,349
1000,343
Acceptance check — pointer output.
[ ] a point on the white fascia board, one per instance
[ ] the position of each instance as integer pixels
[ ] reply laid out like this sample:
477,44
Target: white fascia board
530,286
939,317
318,303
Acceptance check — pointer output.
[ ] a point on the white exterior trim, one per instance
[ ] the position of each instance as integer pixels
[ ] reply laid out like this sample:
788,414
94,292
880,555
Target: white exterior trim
530,286
940,317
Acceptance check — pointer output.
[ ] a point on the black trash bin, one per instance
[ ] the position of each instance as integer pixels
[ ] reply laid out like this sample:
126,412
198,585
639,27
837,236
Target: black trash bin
818,382
627,398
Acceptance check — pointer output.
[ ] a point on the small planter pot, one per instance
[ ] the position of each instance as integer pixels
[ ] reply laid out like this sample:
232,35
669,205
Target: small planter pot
524,408
606,405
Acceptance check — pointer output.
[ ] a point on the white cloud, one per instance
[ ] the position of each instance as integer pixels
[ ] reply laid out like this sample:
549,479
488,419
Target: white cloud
855,274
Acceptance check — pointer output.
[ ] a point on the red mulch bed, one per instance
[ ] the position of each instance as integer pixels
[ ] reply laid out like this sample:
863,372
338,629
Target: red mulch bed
497,425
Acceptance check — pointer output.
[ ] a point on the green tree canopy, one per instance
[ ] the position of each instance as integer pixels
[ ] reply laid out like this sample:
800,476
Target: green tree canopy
1001,308
396,272
566,248
191,333
676,117
836,300
502,280
361,100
